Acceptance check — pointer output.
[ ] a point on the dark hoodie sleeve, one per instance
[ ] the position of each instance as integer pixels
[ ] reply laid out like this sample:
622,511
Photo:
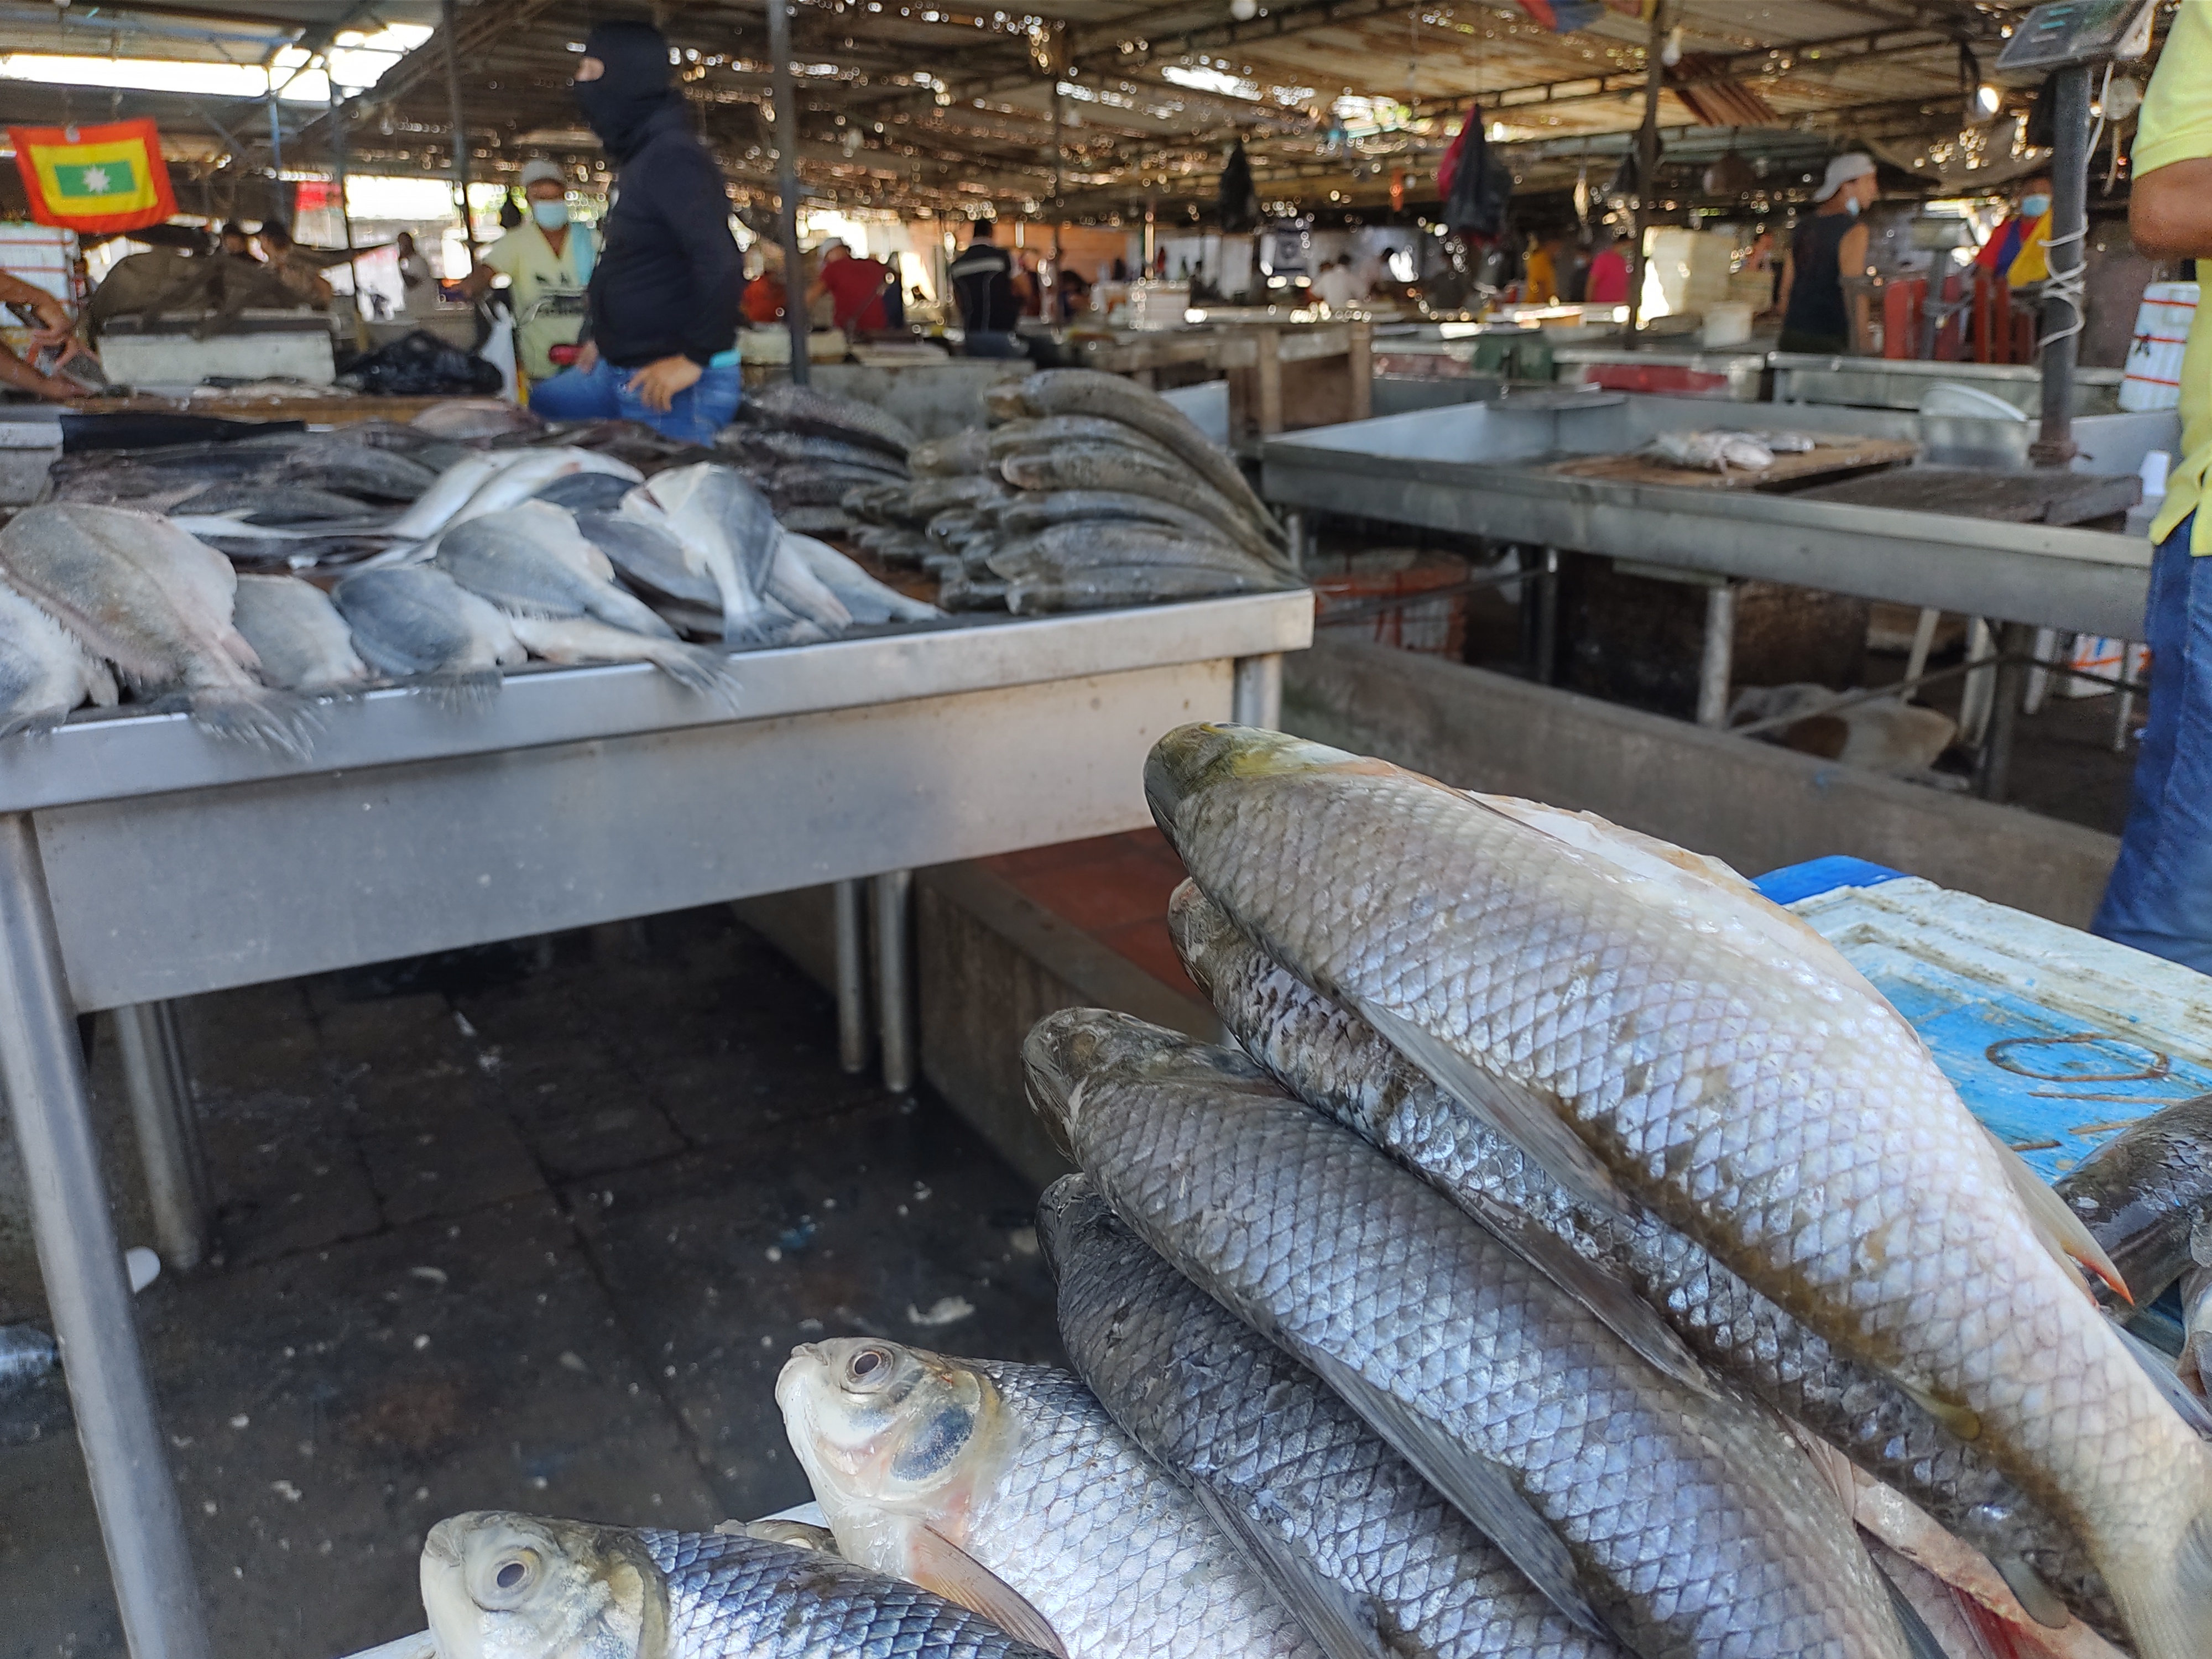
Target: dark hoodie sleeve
697,210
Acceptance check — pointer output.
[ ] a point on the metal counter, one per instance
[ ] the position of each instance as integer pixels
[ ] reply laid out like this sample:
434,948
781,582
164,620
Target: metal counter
141,860
1896,383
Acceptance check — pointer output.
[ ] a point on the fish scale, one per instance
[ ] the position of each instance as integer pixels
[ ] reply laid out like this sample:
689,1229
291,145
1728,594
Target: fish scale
1693,1526
1786,1120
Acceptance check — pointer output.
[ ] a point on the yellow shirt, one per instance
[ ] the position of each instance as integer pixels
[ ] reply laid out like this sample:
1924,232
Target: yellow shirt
2176,126
2032,262
541,280
1542,286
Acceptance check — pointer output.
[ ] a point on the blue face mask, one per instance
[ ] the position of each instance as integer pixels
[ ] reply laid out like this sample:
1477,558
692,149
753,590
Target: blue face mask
550,215
1851,205
2035,207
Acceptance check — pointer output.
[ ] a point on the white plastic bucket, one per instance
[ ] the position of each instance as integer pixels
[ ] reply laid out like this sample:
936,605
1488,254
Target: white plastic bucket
1726,323
1955,398
2152,379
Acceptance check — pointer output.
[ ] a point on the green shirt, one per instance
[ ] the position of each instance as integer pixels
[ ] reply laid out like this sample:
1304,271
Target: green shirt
2176,126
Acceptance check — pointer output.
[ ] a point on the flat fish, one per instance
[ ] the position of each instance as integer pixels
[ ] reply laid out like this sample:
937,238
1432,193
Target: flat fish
272,502
416,622
44,669
2147,1196
1367,1553
586,492
863,597
729,532
583,640
1009,1489
504,1586
464,418
303,643
140,593
1675,1039
1714,1537
530,561
650,559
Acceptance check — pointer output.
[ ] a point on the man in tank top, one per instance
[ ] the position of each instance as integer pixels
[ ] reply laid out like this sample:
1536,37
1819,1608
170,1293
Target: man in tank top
1831,242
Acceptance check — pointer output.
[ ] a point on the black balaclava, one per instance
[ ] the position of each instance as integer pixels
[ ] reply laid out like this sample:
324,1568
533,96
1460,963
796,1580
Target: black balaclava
634,88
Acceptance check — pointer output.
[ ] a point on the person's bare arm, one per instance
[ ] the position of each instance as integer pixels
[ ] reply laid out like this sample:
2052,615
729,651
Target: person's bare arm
1788,277
15,371
478,281
1851,261
51,312
2170,211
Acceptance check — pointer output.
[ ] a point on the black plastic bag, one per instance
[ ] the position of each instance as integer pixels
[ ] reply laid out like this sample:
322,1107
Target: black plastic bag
1476,184
421,364
1240,202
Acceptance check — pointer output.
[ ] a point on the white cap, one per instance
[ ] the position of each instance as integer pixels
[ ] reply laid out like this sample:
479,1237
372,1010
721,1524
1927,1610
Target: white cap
1841,172
541,171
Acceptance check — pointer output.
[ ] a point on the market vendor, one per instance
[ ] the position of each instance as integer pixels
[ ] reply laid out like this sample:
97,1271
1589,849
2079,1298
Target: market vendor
2020,247
2160,898
855,288
1815,315
300,279
1608,282
548,264
56,328
662,307
983,282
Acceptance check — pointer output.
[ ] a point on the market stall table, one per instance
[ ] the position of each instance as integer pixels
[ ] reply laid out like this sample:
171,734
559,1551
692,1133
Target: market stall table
141,860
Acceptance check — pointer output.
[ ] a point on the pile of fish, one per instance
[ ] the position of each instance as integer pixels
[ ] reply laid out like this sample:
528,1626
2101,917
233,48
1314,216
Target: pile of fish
807,450
1577,1260
1719,451
1086,491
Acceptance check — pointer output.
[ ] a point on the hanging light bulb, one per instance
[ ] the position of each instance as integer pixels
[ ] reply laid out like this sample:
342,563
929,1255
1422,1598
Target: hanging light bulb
1987,98
1244,11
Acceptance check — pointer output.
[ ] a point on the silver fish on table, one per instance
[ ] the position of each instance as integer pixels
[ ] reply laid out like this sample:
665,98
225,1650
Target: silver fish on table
2147,1196
44,669
585,492
416,622
463,418
729,534
493,480
1008,1488
303,643
505,1586
532,561
147,597
1367,1553
573,639
1334,1060
1648,1508
647,557
1661,1033
863,599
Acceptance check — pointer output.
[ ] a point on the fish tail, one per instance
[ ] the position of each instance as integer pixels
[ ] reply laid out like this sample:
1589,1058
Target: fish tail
2166,1597
282,722
702,669
462,691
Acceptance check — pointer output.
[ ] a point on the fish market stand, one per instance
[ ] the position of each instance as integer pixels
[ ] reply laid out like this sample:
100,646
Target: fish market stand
577,796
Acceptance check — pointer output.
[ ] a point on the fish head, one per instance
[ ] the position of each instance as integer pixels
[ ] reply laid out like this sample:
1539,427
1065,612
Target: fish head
498,1585
895,1440
1201,930
1064,1051
1070,1211
1193,760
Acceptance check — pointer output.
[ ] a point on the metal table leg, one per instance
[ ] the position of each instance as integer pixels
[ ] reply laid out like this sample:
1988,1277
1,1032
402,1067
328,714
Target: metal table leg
1547,619
2015,639
159,1086
1256,693
852,945
42,1073
894,984
1717,663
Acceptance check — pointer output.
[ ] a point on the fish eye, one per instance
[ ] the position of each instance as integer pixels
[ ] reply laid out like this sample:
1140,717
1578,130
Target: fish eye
869,1368
506,1578
510,1574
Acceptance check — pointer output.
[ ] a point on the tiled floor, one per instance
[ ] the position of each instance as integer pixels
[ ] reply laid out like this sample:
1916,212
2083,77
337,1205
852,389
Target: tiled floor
1114,888
533,1228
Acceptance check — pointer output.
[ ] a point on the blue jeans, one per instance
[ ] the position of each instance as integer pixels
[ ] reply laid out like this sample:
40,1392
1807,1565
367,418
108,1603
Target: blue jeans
2160,898
602,393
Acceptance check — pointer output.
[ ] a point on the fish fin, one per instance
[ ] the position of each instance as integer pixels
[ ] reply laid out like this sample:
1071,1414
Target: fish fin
1955,1415
2167,1605
1533,1120
2167,1380
2062,1231
2037,1598
942,1568
1919,1641
1616,1304
462,691
282,722
701,669
1481,1490
38,723
1341,1623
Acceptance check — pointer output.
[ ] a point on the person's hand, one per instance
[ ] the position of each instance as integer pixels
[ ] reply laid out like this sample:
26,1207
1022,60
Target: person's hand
587,358
658,383
55,323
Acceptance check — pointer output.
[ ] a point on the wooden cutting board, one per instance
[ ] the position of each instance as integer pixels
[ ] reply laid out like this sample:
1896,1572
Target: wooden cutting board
1825,460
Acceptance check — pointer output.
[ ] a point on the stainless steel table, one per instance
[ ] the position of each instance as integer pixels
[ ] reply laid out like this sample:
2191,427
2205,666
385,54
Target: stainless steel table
141,860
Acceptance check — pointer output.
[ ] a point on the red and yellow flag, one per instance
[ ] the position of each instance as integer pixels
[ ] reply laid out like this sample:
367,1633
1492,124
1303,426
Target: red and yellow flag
94,178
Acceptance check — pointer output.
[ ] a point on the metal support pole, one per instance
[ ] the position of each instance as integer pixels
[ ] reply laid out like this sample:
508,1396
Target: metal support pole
1255,696
1647,145
1059,155
1547,619
339,137
2015,641
159,1087
448,26
42,1074
787,189
276,167
1718,661
1298,537
2059,326
852,977
894,983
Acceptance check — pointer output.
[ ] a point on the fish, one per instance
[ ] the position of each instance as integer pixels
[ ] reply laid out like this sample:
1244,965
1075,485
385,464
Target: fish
803,410
966,451
1123,472
1008,1488
1371,1558
303,643
647,557
728,529
793,584
1335,1061
273,501
498,1585
892,543
809,450
2146,1195
451,491
1090,392
44,669
1102,587
2195,1368
149,599
584,639
958,591
495,479
1714,452
1072,547
782,1529
863,597
1668,1035
358,469
475,417
930,496
583,492
530,561
1050,432
1034,510
1714,1537
414,621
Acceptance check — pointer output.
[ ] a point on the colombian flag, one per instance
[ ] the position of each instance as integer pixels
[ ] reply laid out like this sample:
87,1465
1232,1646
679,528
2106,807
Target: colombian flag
95,178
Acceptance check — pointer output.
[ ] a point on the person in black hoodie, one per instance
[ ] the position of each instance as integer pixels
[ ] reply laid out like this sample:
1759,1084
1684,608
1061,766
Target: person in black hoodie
663,304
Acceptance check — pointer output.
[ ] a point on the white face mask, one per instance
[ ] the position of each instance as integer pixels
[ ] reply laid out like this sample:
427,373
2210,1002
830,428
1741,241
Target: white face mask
1851,206
550,215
